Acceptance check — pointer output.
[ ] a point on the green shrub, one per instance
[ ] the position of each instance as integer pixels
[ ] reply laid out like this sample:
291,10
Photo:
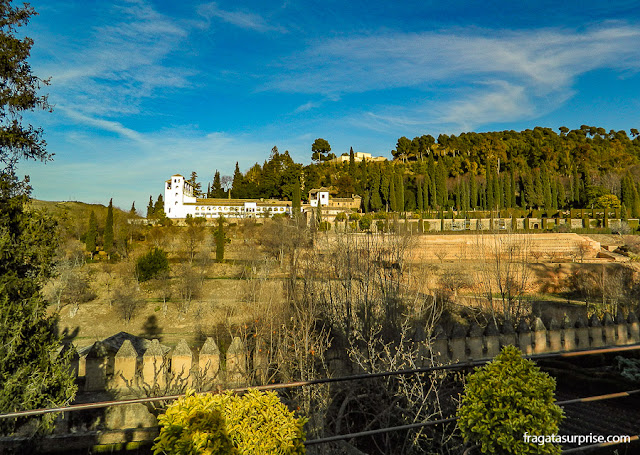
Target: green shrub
506,399
151,264
365,223
256,423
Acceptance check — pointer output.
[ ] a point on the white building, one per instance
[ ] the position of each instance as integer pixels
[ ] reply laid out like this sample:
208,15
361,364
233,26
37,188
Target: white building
179,202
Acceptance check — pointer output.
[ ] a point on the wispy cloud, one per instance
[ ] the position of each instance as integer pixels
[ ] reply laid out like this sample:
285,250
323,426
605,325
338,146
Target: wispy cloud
117,66
498,74
246,20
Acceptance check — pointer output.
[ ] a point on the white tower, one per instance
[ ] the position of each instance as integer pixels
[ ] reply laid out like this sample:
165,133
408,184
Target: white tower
177,192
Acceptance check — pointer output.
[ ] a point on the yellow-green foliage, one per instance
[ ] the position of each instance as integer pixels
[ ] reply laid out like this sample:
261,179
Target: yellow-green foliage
256,423
506,399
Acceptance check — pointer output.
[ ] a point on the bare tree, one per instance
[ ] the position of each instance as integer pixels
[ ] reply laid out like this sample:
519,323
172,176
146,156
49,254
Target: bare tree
127,298
505,273
189,285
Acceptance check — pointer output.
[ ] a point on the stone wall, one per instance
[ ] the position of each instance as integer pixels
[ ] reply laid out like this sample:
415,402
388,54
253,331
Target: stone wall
465,344
160,367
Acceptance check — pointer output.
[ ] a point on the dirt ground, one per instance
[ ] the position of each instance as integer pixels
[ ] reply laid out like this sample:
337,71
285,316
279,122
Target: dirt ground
223,298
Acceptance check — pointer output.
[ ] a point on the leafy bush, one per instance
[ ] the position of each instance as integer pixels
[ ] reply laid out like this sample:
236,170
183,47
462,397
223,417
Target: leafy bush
365,223
506,399
151,264
254,424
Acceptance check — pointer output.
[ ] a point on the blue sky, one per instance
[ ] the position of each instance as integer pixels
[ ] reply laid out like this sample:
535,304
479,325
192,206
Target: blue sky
143,89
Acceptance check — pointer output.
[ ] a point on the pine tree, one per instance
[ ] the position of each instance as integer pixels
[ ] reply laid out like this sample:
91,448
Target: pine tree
193,180
92,234
34,373
108,229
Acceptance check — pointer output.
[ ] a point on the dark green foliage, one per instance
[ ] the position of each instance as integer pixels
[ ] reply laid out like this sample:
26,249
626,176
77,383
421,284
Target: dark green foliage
108,229
220,239
158,208
296,199
92,234
152,264
320,150
365,222
150,208
216,190
193,180
506,399
32,375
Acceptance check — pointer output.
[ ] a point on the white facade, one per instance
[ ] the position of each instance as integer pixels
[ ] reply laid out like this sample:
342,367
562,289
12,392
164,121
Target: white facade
177,192
179,202
321,197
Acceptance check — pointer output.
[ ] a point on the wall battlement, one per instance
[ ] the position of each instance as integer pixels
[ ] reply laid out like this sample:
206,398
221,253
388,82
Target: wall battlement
126,363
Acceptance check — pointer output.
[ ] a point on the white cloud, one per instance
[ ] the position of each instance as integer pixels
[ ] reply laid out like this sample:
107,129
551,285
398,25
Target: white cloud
499,75
246,20
115,67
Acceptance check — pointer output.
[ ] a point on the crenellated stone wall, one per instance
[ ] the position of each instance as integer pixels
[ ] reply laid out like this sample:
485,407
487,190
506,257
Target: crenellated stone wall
116,364
119,366
465,344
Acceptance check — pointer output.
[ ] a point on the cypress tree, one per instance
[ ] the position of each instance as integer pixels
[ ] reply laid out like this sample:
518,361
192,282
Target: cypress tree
236,186
473,183
399,193
554,193
561,195
507,193
216,187
497,190
441,185
576,187
158,207
425,192
295,203
108,229
489,189
352,163
393,196
512,185
92,234
546,186
465,196
132,211
150,211
375,202
420,197
220,239
385,185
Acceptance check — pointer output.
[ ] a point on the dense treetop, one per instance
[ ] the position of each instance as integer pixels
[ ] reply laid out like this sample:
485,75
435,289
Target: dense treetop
534,168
